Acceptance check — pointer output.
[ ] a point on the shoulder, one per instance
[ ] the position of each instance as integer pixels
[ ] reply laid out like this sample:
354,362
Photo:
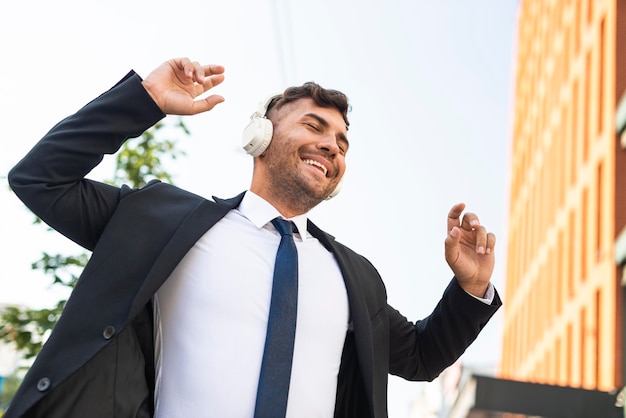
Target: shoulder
340,250
157,189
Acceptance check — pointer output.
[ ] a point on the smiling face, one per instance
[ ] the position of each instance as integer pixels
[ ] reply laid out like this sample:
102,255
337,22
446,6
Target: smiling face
305,159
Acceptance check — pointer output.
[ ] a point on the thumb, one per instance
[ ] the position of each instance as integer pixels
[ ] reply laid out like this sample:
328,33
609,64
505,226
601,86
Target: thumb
452,245
204,105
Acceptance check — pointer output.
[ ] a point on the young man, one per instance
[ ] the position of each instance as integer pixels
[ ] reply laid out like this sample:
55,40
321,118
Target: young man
172,316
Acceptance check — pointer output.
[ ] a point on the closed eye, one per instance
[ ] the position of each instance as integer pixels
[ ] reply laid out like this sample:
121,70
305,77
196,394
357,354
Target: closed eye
314,127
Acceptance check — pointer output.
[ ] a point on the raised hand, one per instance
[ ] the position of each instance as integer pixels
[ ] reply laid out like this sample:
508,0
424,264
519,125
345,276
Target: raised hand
176,84
469,250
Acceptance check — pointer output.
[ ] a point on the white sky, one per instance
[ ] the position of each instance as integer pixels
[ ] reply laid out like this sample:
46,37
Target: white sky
430,84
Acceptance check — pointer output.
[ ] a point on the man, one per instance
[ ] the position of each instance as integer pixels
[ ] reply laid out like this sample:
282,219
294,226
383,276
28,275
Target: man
172,315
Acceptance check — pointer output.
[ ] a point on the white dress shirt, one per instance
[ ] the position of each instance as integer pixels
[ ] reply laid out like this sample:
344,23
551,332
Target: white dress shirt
211,319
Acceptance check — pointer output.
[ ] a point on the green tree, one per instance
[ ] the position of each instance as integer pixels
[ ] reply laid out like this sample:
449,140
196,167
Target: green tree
8,388
139,160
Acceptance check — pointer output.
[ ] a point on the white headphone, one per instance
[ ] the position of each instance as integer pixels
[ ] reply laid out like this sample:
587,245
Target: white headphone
257,135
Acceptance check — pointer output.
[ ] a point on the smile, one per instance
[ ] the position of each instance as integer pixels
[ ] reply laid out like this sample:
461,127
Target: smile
316,164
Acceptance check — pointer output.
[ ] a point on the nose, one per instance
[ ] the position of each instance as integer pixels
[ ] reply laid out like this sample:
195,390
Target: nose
329,145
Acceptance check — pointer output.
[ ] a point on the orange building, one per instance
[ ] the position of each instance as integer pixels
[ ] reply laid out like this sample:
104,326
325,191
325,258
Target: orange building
563,302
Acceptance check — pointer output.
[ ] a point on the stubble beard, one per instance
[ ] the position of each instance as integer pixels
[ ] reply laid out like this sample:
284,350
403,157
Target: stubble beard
290,186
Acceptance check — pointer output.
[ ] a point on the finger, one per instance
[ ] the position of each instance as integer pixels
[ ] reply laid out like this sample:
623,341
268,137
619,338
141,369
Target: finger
202,72
480,234
209,83
212,81
186,66
454,216
491,243
213,69
198,73
470,221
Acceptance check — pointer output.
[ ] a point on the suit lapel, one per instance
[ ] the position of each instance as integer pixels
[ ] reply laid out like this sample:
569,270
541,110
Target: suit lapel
359,312
199,221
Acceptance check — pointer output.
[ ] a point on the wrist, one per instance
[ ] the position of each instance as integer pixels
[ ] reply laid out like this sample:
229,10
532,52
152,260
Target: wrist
475,289
150,89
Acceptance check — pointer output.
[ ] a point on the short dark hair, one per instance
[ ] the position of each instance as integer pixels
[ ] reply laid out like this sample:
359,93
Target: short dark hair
321,96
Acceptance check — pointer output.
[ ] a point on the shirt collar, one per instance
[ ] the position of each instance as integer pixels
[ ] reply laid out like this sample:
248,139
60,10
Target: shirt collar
260,212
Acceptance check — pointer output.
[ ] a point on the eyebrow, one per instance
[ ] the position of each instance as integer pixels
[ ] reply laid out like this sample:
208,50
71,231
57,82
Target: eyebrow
341,136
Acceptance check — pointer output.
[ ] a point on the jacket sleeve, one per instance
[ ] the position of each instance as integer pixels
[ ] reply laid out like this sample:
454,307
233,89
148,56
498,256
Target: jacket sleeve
50,179
421,351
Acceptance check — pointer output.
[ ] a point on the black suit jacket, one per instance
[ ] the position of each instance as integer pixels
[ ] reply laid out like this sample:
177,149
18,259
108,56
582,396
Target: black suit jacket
98,361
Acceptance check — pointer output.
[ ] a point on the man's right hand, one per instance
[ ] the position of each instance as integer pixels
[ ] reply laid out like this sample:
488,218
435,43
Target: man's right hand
175,84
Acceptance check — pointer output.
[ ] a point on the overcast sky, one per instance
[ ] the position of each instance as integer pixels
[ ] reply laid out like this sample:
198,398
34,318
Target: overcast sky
430,83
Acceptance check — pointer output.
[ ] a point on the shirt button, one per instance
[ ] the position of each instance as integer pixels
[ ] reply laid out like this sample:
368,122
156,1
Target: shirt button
108,332
43,384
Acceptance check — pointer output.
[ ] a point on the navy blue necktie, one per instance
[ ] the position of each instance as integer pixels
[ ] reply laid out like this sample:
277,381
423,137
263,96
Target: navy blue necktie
271,399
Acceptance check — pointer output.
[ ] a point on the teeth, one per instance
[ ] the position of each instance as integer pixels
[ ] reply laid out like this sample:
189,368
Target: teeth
316,164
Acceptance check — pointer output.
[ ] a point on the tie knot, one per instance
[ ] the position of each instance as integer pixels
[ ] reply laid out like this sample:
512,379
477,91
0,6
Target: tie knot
283,226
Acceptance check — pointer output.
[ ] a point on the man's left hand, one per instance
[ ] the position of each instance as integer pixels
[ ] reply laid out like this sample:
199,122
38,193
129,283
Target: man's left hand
469,250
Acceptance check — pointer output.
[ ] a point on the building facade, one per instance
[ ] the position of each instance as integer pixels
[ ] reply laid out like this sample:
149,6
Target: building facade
563,298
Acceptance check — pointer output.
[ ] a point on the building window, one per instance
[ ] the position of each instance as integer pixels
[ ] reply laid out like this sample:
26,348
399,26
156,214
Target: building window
584,237
599,210
587,97
598,323
601,77
583,343
575,133
572,254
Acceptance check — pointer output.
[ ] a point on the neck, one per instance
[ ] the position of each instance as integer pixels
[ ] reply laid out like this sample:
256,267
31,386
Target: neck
286,205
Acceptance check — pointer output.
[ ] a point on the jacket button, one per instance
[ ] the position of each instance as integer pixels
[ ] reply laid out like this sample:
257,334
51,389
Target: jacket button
108,332
43,384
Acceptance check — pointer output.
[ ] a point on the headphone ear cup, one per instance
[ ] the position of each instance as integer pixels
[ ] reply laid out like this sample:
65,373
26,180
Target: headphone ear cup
257,136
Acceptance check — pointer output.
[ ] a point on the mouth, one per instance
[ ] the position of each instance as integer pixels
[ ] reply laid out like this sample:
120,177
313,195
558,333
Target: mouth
316,164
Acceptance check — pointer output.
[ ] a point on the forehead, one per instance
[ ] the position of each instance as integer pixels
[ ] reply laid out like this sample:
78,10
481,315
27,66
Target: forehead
306,107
